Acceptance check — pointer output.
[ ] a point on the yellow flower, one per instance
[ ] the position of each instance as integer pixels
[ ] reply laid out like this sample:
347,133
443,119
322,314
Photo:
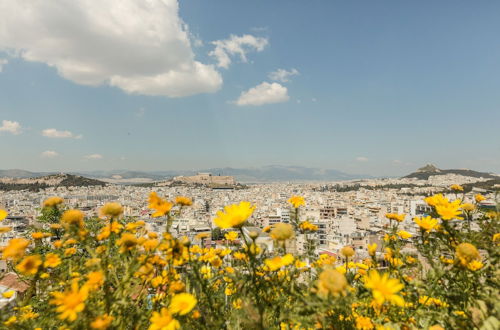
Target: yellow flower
372,249
10,321
364,323
234,216
8,294
446,260
300,264
95,280
52,260
278,262
53,201
479,198
496,237
456,187
429,301
156,281
115,227
450,210
55,226
161,206
3,214
239,256
332,282
395,216
426,223
163,320
133,226
466,253
150,244
176,286
111,210
69,251
183,201
436,327
383,288
347,251
71,302
410,260
37,235
396,262
282,231
15,249
475,265
404,234
73,217
127,242
229,290
436,200
307,226
296,201
237,303
5,229
26,313
231,236
102,322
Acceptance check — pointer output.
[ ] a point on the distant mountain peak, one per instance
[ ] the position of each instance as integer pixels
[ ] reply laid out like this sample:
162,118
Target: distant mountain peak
429,168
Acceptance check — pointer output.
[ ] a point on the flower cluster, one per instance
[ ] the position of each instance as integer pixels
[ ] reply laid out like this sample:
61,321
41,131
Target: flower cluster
111,272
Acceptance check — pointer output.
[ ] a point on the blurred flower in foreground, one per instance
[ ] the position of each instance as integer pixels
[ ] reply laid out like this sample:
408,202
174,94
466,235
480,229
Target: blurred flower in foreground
234,216
296,201
384,288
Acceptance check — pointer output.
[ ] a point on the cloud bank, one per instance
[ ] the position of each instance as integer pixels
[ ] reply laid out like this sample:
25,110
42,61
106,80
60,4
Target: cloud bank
141,47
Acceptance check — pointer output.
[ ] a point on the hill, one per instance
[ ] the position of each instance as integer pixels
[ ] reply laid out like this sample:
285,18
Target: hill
43,182
428,170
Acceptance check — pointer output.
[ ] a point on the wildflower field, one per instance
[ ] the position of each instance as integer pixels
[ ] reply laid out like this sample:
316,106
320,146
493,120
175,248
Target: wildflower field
109,272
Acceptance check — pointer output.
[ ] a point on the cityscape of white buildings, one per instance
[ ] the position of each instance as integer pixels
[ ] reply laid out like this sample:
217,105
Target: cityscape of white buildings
355,218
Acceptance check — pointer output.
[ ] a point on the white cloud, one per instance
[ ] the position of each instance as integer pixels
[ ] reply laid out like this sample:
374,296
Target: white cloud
139,46
49,154
264,93
11,127
283,75
3,61
361,159
93,156
53,133
236,45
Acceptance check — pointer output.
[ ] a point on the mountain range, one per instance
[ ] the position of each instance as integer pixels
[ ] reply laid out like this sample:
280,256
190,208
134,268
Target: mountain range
261,174
273,173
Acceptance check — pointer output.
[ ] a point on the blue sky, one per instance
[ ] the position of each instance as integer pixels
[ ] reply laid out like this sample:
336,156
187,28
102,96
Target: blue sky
381,87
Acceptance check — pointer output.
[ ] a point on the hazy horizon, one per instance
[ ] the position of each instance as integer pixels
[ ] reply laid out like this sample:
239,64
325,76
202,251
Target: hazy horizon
200,169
